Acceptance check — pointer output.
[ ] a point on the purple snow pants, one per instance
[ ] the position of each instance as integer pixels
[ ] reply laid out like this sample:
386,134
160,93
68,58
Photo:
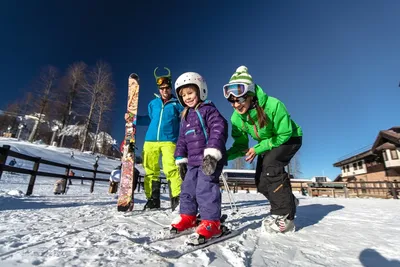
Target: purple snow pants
202,192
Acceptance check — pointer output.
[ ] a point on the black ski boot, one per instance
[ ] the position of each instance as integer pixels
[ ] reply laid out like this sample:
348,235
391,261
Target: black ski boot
174,202
154,201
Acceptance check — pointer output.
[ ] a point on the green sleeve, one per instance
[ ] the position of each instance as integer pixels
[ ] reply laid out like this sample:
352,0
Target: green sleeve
240,144
282,130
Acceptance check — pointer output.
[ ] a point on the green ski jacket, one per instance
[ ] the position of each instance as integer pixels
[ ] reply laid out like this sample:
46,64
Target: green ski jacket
279,129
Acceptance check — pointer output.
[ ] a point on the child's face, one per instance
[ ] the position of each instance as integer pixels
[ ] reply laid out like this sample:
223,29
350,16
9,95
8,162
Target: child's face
189,96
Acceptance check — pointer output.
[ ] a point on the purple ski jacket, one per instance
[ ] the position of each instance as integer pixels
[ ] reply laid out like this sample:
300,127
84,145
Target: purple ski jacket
204,131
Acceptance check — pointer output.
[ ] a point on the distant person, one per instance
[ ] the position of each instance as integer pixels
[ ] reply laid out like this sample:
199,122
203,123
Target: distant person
115,178
304,191
163,120
267,121
200,154
58,187
71,173
72,154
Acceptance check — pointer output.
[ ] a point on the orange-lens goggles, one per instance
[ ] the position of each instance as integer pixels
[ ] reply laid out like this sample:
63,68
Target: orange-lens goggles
163,80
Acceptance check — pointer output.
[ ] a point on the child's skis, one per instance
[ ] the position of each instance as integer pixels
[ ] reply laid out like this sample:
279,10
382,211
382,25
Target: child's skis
126,189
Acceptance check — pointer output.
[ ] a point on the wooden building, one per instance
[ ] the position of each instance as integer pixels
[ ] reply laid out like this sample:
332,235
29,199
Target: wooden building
376,171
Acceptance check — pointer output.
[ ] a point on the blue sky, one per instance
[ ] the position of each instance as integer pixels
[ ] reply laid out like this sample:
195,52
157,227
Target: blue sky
335,64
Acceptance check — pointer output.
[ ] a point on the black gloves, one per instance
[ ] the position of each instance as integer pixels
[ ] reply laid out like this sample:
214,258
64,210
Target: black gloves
182,170
209,165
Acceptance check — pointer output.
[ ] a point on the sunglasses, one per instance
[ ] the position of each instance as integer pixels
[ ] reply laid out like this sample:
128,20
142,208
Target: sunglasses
239,100
163,80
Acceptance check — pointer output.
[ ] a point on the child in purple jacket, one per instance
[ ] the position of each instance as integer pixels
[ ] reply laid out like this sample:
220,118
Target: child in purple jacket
200,154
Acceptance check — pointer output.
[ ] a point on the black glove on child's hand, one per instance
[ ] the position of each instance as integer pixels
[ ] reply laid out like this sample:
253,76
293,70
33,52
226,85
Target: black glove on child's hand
182,170
209,165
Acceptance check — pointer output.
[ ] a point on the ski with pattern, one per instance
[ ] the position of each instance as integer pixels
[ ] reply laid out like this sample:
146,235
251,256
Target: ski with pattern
126,193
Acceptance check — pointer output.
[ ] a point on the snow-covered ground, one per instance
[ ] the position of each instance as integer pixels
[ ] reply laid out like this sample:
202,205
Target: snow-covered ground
83,229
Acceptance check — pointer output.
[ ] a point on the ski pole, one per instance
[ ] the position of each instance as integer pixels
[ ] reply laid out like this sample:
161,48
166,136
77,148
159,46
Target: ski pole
230,195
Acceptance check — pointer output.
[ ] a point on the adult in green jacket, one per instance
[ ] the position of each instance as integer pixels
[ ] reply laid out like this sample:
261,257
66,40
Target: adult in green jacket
267,121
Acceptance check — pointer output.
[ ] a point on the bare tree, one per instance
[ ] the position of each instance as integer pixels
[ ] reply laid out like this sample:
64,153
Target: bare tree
47,82
104,104
73,82
99,79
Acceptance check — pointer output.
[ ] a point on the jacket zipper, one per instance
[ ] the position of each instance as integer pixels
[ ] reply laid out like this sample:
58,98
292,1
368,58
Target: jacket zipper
202,125
159,122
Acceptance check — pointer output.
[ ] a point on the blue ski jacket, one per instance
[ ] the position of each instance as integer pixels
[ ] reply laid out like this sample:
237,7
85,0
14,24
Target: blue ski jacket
163,120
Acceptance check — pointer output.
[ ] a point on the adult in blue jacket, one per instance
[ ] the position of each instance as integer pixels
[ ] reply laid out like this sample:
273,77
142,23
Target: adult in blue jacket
161,137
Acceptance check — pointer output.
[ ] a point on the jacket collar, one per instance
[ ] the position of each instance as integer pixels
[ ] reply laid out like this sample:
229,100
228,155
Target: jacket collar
172,99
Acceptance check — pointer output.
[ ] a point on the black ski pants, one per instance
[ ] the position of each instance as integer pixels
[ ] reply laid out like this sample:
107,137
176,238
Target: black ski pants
273,181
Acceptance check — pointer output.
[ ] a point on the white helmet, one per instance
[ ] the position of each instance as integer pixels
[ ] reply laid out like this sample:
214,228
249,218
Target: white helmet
191,78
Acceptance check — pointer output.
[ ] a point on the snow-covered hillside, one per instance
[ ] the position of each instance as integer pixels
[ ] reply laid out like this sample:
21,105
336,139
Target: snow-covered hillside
83,229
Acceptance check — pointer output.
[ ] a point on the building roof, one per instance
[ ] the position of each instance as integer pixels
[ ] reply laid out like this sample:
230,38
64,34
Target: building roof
386,139
351,159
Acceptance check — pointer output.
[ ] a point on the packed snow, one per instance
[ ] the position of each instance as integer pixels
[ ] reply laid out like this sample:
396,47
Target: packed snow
84,229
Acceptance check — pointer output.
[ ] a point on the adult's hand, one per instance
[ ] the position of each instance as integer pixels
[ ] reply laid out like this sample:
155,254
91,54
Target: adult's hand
250,155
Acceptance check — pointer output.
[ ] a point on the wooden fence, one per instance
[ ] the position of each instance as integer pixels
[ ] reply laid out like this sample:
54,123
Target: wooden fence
384,189
5,151
381,189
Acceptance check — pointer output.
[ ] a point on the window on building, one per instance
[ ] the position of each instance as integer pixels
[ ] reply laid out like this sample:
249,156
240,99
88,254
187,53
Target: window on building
355,166
344,168
348,168
393,153
384,155
360,165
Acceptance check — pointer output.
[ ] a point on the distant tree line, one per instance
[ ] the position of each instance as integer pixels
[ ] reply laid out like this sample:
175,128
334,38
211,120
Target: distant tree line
70,108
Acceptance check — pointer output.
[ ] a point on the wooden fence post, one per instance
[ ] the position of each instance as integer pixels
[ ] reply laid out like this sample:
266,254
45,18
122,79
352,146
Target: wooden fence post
356,188
64,185
29,191
3,158
94,177
346,191
393,190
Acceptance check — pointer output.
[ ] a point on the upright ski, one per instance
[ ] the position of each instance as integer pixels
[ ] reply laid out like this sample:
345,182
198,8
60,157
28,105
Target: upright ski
126,190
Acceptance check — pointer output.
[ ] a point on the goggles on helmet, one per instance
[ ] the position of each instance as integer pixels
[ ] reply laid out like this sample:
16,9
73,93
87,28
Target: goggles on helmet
237,89
163,80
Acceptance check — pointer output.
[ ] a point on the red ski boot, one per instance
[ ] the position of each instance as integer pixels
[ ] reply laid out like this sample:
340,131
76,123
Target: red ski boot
183,222
209,229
